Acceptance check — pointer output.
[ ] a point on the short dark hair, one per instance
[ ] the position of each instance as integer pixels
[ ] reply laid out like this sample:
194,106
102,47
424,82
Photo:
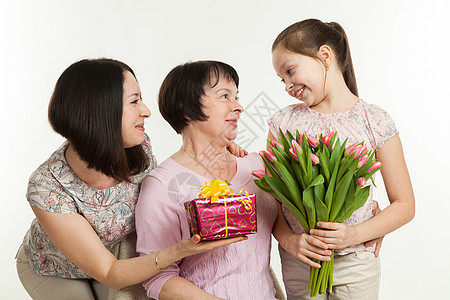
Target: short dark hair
86,108
180,93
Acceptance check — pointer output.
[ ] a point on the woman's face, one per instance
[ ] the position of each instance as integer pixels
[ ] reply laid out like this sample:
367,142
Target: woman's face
134,112
302,75
220,104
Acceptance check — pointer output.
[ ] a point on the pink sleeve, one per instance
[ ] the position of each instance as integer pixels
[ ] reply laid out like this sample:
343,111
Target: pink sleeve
382,126
157,227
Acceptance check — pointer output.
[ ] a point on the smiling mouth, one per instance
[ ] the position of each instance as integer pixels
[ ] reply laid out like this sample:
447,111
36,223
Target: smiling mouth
298,94
234,121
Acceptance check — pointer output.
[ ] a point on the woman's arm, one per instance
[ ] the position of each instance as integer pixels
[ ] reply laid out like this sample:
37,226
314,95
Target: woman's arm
179,288
75,237
401,210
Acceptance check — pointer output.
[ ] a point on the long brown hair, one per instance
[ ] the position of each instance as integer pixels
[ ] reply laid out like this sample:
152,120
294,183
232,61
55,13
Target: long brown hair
86,108
307,36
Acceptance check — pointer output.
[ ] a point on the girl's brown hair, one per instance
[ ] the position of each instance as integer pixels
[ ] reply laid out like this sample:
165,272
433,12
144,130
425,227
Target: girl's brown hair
307,36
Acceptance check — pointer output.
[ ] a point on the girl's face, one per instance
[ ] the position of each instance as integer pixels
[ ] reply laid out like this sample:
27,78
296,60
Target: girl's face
134,112
220,104
303,75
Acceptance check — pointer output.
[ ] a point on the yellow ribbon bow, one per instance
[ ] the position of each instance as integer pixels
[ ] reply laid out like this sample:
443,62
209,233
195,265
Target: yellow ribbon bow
215,189
246,202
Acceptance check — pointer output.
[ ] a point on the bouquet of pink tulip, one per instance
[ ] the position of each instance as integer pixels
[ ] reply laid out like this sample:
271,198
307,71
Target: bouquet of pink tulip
319,180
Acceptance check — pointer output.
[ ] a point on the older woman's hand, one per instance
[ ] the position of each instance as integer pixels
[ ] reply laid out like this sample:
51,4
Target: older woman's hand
375,211
236,150
194,246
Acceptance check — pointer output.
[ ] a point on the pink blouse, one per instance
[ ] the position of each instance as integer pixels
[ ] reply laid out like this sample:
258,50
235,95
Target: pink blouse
236,271
364,122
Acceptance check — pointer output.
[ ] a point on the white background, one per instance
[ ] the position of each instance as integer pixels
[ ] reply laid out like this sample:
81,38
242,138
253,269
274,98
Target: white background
400,54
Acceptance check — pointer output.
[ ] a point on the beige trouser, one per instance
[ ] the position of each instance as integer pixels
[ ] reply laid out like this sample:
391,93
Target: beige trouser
356,276
53,288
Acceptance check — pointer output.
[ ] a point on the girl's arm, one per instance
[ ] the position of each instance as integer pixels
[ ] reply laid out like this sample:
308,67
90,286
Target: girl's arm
399,212
75,237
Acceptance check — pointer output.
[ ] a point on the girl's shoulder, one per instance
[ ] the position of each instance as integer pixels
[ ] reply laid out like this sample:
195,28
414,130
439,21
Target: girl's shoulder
373,110
380,124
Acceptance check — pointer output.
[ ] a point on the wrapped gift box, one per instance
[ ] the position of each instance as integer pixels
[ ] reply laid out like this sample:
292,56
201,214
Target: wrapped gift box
229,216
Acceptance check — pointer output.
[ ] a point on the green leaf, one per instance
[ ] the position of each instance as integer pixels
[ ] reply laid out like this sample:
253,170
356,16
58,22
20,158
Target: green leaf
289,137
285,142
283,158
270,168
350,206
321,208
324,162
330,190
308,202
294,209
291,184
340,194
263,185
299,175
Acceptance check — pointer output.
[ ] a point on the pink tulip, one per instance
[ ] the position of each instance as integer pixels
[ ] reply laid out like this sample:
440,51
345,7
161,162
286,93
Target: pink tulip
350,149
300,138
296,146
277,144
258,173
375,165
270,156
312,141
326,139
362,160
361,150
361,181
293,154
314,159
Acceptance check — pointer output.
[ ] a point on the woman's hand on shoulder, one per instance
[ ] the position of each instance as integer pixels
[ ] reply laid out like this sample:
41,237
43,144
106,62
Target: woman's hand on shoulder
193,245
236,150
305,247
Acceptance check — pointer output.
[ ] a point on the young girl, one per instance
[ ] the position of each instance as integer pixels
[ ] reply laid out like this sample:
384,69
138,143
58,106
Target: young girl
313,60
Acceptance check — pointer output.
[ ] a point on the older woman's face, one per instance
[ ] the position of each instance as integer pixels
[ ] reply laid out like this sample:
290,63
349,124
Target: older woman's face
134,112
220,104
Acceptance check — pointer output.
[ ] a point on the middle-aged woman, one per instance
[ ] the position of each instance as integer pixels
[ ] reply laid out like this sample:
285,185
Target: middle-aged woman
84,195
199,100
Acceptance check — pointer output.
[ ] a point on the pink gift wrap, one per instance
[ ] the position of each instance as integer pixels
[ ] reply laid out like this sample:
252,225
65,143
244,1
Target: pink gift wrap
208,219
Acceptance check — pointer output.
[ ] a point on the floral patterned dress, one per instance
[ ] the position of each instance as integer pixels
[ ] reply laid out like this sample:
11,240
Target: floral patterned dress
55,187
364,122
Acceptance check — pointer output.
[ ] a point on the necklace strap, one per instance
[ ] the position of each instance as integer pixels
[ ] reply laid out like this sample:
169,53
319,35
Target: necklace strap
207,169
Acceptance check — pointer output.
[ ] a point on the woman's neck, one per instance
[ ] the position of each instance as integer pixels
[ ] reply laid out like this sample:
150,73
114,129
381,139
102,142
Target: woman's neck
91,177
207,158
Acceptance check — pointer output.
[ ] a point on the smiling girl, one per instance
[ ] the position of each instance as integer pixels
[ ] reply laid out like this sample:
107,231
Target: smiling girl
313,60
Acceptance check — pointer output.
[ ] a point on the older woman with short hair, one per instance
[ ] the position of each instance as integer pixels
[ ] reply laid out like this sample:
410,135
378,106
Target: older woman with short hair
200,101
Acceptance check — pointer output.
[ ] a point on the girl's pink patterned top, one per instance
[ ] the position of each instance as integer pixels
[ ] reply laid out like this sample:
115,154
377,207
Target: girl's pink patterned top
55,187
364,122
